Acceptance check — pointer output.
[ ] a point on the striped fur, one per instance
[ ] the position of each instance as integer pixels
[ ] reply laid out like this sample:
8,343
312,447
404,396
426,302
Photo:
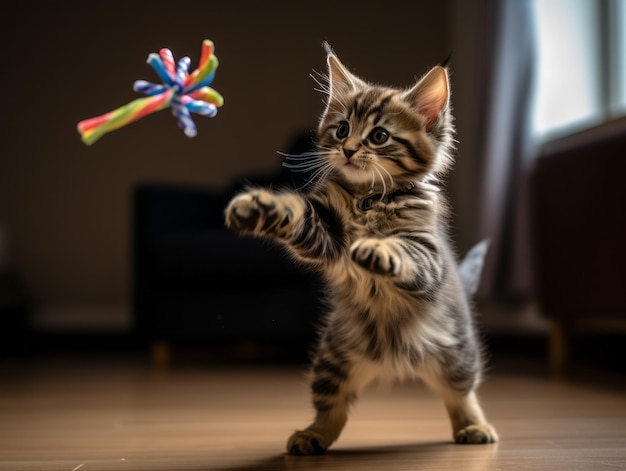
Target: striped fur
373,222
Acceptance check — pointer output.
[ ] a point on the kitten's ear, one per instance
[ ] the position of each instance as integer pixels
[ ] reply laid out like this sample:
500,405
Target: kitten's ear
340,79
431,95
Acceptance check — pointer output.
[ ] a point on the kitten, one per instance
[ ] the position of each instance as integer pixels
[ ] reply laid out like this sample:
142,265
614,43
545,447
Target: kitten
374,225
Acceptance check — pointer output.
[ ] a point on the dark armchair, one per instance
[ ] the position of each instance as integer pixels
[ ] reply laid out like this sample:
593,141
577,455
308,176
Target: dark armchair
197,282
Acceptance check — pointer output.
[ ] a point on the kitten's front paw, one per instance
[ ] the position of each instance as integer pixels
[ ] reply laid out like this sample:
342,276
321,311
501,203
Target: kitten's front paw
482,433
376,256
306,442
258,212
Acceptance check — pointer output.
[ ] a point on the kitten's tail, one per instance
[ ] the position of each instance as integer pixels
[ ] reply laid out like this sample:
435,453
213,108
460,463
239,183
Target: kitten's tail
471,266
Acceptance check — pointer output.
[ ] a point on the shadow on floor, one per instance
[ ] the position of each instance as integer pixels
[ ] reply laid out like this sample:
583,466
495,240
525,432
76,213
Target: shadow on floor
388,458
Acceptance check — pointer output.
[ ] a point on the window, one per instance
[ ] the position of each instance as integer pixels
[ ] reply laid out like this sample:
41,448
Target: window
620,19
581,77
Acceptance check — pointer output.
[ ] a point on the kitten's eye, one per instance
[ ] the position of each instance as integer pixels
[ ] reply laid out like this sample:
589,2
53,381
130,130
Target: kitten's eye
379,136
343,130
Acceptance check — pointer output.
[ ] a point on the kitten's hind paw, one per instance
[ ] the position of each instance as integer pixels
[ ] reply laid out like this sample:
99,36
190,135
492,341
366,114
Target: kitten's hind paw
306,443
472,434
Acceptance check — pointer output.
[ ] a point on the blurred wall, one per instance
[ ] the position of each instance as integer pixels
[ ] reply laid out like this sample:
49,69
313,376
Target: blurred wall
65,207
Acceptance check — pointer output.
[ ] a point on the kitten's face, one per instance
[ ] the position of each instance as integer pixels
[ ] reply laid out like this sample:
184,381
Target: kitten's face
379,137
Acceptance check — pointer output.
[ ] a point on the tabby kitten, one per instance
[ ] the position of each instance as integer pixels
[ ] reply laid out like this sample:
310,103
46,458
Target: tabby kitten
374,225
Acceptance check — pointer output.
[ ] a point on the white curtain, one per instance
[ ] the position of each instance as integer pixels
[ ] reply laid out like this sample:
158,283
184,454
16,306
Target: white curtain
495,53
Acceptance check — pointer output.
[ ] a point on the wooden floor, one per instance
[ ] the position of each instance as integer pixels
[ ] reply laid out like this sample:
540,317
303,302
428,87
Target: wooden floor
97,416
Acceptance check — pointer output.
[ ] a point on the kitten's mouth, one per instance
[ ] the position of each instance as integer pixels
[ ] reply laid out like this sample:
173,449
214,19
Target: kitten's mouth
354,166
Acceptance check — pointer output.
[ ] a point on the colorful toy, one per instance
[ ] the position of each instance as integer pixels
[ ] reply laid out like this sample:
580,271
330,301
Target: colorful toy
183,92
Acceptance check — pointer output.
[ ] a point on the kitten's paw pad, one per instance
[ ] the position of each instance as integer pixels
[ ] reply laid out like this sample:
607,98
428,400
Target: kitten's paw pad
376,256
306,442
482,433
257,212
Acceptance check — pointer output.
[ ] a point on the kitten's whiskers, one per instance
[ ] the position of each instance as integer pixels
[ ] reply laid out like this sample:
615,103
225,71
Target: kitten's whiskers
382,196
378,167
319,175
322,82
309,162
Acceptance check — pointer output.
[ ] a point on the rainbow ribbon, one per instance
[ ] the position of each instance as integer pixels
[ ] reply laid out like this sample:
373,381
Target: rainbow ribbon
183,92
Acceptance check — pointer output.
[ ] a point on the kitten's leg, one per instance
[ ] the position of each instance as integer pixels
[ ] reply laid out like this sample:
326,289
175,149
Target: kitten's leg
264,213
413,262
378,256
468,420
312,231
335,387
466,415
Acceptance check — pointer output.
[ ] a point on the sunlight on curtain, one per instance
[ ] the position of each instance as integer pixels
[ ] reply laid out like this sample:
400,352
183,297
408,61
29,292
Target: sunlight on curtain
568,75
620,14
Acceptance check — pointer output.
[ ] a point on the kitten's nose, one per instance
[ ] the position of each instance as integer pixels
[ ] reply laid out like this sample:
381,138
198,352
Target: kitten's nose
348,152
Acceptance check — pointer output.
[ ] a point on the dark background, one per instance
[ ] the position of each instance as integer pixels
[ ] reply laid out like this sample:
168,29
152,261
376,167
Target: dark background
66,209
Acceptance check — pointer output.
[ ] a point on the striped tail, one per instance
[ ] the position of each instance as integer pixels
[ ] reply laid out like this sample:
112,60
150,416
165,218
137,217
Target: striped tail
471,266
